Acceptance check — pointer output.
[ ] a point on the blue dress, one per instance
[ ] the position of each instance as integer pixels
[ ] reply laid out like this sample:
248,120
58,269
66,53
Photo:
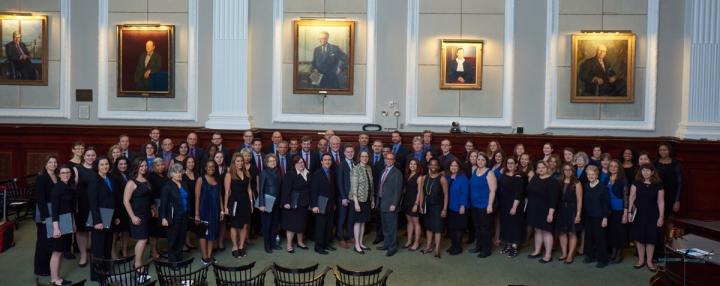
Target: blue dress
210,209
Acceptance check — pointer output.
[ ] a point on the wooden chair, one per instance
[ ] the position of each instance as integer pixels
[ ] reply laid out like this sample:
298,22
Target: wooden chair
372,277
167,268
121,272
194,278
239,275
19,200
307,276
78,283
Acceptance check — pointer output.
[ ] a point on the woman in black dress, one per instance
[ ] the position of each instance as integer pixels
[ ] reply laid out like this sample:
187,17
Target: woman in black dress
85,172
43,186
189,178
671,175
222,169
527,168
362,195
295,200
62,203
157,180
510,193
628,164
483,190
569,213
648,196
411,203
238,203
182,154
617,222
137,199
121,228
543,192
435,192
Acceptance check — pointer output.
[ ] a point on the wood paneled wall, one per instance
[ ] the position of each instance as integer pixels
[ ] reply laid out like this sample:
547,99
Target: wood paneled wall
22,147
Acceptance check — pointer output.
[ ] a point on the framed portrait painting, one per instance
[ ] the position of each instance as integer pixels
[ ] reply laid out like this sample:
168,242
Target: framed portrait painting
323,56
602,67
24,56
146,61
461,63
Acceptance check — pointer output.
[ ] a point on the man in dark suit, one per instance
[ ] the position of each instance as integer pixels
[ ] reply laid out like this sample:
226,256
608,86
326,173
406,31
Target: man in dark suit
217,140
257,156
147,63
460,69
124,143
284,161
363,142
167,153
398,149
337,154
323,194
328,60
388,200
344,170
194,149
594,73
445,156
427,143
377,163
19,55
248,138
416,153
276,138
310,156
154,139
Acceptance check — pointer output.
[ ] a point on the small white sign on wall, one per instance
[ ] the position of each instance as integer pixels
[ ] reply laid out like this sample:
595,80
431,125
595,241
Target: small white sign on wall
84,111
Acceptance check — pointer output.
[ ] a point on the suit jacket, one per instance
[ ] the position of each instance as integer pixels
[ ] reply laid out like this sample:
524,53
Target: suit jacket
391,190
294,183
328,63
401,156
154,65
254,162
171,201
343,180
445,160
199,154
341,157
12,52
314,160
100,196
269,149
377,170
43,190
288,165
468,74
243,146
591,68
130,155
269,184
323,185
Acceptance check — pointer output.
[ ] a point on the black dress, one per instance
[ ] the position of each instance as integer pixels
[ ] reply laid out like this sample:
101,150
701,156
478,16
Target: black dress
140,202
62,199
239,203
567,210
83,202
511,226
191,198
542,195
433,204
617,234
671,176
411,192
644,227
296,193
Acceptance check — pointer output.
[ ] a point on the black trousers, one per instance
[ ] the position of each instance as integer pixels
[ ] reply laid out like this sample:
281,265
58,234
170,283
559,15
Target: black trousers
595,239
323,229
482,221
177,231
42,251
343,221
101,247
270,222
378,224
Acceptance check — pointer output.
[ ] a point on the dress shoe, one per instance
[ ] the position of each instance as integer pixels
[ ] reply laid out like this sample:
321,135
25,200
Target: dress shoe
544,261
531,256
303,247
381,248
483,254
359,251
601,265
391,252
378,240
331,248
476,250
292,250
321,251
455,251
82,265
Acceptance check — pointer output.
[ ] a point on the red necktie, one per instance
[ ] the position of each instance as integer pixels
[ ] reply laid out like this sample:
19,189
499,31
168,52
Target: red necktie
337,159
259,163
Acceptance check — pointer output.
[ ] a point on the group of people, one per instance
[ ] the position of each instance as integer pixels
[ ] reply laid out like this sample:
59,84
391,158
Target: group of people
332,191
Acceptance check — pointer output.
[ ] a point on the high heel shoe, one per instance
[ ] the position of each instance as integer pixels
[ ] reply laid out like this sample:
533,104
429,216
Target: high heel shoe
437,254
639,266
359,251
426,251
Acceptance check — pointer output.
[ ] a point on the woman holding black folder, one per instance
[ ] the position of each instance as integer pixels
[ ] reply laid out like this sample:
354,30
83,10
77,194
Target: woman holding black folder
43,185
62,199
269,191
238,203
102,207
296,198
85,173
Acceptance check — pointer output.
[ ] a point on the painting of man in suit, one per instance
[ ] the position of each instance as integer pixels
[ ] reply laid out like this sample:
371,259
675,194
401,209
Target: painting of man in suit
323,60
23,58
603,65
145,60
461,64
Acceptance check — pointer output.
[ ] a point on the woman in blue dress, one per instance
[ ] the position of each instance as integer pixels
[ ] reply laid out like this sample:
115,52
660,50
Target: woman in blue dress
208,210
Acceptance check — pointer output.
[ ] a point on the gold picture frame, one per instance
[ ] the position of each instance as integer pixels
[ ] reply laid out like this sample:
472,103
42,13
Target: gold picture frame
323,56
453,53
602,67
139,72
26,62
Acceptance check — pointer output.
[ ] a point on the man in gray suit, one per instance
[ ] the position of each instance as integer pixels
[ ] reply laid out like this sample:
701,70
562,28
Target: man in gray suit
388,196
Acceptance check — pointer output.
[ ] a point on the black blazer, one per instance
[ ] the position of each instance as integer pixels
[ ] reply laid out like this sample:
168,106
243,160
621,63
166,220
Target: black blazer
294,183
100,196
269,184
288,164
401,156
62,199
269,149
199,154
343,180
253,159
341,157
325,186
314,160
130,155
43,187
171,201
377,170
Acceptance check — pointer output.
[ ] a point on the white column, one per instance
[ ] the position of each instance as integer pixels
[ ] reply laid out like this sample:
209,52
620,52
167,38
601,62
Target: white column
701,87
229,66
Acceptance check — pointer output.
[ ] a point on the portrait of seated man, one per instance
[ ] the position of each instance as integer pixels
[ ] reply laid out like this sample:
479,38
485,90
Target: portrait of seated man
19,55
598,77
148,63
460,69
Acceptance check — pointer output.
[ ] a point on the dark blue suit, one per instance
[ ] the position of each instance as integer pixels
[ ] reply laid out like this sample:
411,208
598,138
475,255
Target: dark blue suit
328,60
343,187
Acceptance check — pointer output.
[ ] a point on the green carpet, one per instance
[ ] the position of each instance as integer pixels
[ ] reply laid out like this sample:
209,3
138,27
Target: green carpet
410,268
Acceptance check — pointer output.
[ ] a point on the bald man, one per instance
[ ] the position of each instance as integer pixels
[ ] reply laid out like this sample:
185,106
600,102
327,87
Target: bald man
148,63
594,74
18,54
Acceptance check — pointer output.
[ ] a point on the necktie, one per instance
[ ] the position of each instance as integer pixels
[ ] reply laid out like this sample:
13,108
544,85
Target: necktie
125,153
395,148
382,181
375,159
337,159
282,165
350,164
259,163
192,152
307,160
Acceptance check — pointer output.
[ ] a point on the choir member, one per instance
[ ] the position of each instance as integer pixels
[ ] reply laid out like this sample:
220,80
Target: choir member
295,201
628,164
597,151
85,173
137,199
492,147
469,147
596,209
182,153
46,179
189,179
344,172
547,150
113,154
149,155
617,187
119,176
497,160
568,155
553,166
435,190
62,202
483,185
518,150
173,211
644,158
269,187
157,180
458,206
670,173
362,195
220,162
209,210
323,194
527,168
604,168
647,203
569,213
100,196
581,161
411,203
543,192
238,203
511,192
